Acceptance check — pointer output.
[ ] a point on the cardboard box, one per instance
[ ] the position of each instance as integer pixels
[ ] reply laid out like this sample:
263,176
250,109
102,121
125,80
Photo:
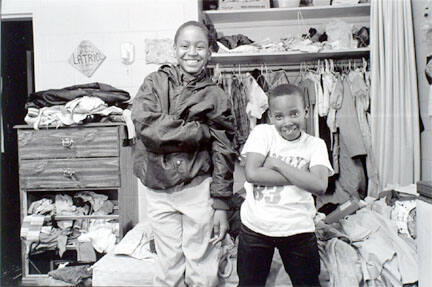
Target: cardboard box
342,210
243,4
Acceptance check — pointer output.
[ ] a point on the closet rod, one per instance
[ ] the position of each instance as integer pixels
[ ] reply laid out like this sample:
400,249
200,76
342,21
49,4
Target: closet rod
294,67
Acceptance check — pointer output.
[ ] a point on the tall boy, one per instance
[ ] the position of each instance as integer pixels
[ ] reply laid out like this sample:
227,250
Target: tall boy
185,159
284,167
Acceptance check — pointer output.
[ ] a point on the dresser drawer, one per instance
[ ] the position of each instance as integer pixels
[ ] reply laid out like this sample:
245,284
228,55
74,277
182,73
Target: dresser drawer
68,143
69,173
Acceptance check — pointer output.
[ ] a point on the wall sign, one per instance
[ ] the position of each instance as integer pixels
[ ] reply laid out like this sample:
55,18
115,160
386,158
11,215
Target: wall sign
86,58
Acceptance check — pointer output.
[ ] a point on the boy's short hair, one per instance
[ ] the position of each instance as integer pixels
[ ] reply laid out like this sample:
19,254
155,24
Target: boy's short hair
286,90
194,24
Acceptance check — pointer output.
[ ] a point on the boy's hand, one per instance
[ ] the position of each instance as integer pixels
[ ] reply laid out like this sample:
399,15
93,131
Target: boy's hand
220,226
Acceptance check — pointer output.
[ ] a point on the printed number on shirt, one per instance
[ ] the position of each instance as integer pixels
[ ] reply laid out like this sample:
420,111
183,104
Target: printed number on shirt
271,194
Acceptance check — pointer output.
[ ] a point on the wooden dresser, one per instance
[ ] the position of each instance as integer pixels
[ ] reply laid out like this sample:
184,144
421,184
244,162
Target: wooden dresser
67,160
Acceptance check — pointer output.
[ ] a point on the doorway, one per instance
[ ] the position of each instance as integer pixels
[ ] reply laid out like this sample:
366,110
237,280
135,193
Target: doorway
17,82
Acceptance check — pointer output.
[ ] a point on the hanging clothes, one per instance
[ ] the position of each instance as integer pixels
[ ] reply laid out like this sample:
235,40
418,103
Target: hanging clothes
318,95
348,124
361,100
350,150
352,178
257,102
309,91
338,104
276,78
234,87
335,103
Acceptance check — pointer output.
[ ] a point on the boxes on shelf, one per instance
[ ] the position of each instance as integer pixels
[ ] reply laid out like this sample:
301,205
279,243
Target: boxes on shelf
286,3
243,4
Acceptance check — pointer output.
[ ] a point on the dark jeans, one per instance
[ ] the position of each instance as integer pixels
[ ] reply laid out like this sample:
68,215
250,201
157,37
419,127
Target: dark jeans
299,255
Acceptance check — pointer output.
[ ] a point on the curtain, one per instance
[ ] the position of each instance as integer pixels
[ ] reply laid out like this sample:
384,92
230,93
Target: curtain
394,98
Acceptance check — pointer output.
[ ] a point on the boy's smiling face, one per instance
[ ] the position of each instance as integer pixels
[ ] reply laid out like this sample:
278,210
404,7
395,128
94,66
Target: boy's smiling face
287,114
192,49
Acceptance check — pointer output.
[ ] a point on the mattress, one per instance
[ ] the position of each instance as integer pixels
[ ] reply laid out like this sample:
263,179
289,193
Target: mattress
123,270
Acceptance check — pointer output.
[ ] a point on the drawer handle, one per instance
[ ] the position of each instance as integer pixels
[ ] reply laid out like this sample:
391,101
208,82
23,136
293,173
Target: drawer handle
90,136
70,173
24,138
67,172
67,142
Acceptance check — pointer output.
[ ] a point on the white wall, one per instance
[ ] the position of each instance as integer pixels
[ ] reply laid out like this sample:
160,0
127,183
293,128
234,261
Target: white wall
59,26
423,49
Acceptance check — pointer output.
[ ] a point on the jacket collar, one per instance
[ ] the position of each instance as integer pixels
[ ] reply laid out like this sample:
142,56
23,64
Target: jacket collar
176,74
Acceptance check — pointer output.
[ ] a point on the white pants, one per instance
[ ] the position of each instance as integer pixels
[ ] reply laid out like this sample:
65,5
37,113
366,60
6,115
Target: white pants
182,222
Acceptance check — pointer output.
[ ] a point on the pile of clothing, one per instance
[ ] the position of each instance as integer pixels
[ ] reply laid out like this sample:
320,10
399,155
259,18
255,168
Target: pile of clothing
93,102
335,35
366,249
42,231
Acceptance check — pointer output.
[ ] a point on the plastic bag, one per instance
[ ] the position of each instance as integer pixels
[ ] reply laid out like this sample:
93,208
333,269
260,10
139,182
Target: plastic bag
339,34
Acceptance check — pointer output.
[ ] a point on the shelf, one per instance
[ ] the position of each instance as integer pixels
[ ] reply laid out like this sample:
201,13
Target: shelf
42,280
274,14
75,217
96,124
284,58
65,189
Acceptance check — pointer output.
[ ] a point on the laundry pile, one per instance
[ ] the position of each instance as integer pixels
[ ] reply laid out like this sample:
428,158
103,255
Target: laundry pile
335,35
366,249
93,102
42,231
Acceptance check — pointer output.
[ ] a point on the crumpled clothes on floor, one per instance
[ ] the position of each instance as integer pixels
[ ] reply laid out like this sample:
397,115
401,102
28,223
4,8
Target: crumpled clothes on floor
380,247
342,262
136,243
72,274
381,257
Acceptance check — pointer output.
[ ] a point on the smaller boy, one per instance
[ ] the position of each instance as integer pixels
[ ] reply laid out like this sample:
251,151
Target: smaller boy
284,167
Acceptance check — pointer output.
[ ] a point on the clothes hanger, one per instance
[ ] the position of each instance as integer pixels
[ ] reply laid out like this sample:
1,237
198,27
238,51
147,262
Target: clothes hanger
261,73
241,77
320,67
299,75
332,70
365,65
217,74
344,67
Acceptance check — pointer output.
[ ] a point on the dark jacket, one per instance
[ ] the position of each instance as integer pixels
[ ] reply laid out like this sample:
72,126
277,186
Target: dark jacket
184,130
110,95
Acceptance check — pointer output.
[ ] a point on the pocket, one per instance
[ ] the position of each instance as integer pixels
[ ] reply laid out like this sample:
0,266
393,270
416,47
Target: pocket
159,173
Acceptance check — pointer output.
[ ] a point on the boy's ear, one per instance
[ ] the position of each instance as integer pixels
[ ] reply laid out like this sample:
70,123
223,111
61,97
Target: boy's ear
306,112
270,116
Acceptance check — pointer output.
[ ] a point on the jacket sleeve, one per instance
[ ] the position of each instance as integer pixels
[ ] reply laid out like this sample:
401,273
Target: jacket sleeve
159,131
223,156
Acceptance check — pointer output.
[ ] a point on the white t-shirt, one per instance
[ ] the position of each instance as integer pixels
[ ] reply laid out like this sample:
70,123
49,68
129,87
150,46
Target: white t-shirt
282,210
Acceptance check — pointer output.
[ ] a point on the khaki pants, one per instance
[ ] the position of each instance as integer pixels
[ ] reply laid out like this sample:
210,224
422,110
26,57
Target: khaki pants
182,222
